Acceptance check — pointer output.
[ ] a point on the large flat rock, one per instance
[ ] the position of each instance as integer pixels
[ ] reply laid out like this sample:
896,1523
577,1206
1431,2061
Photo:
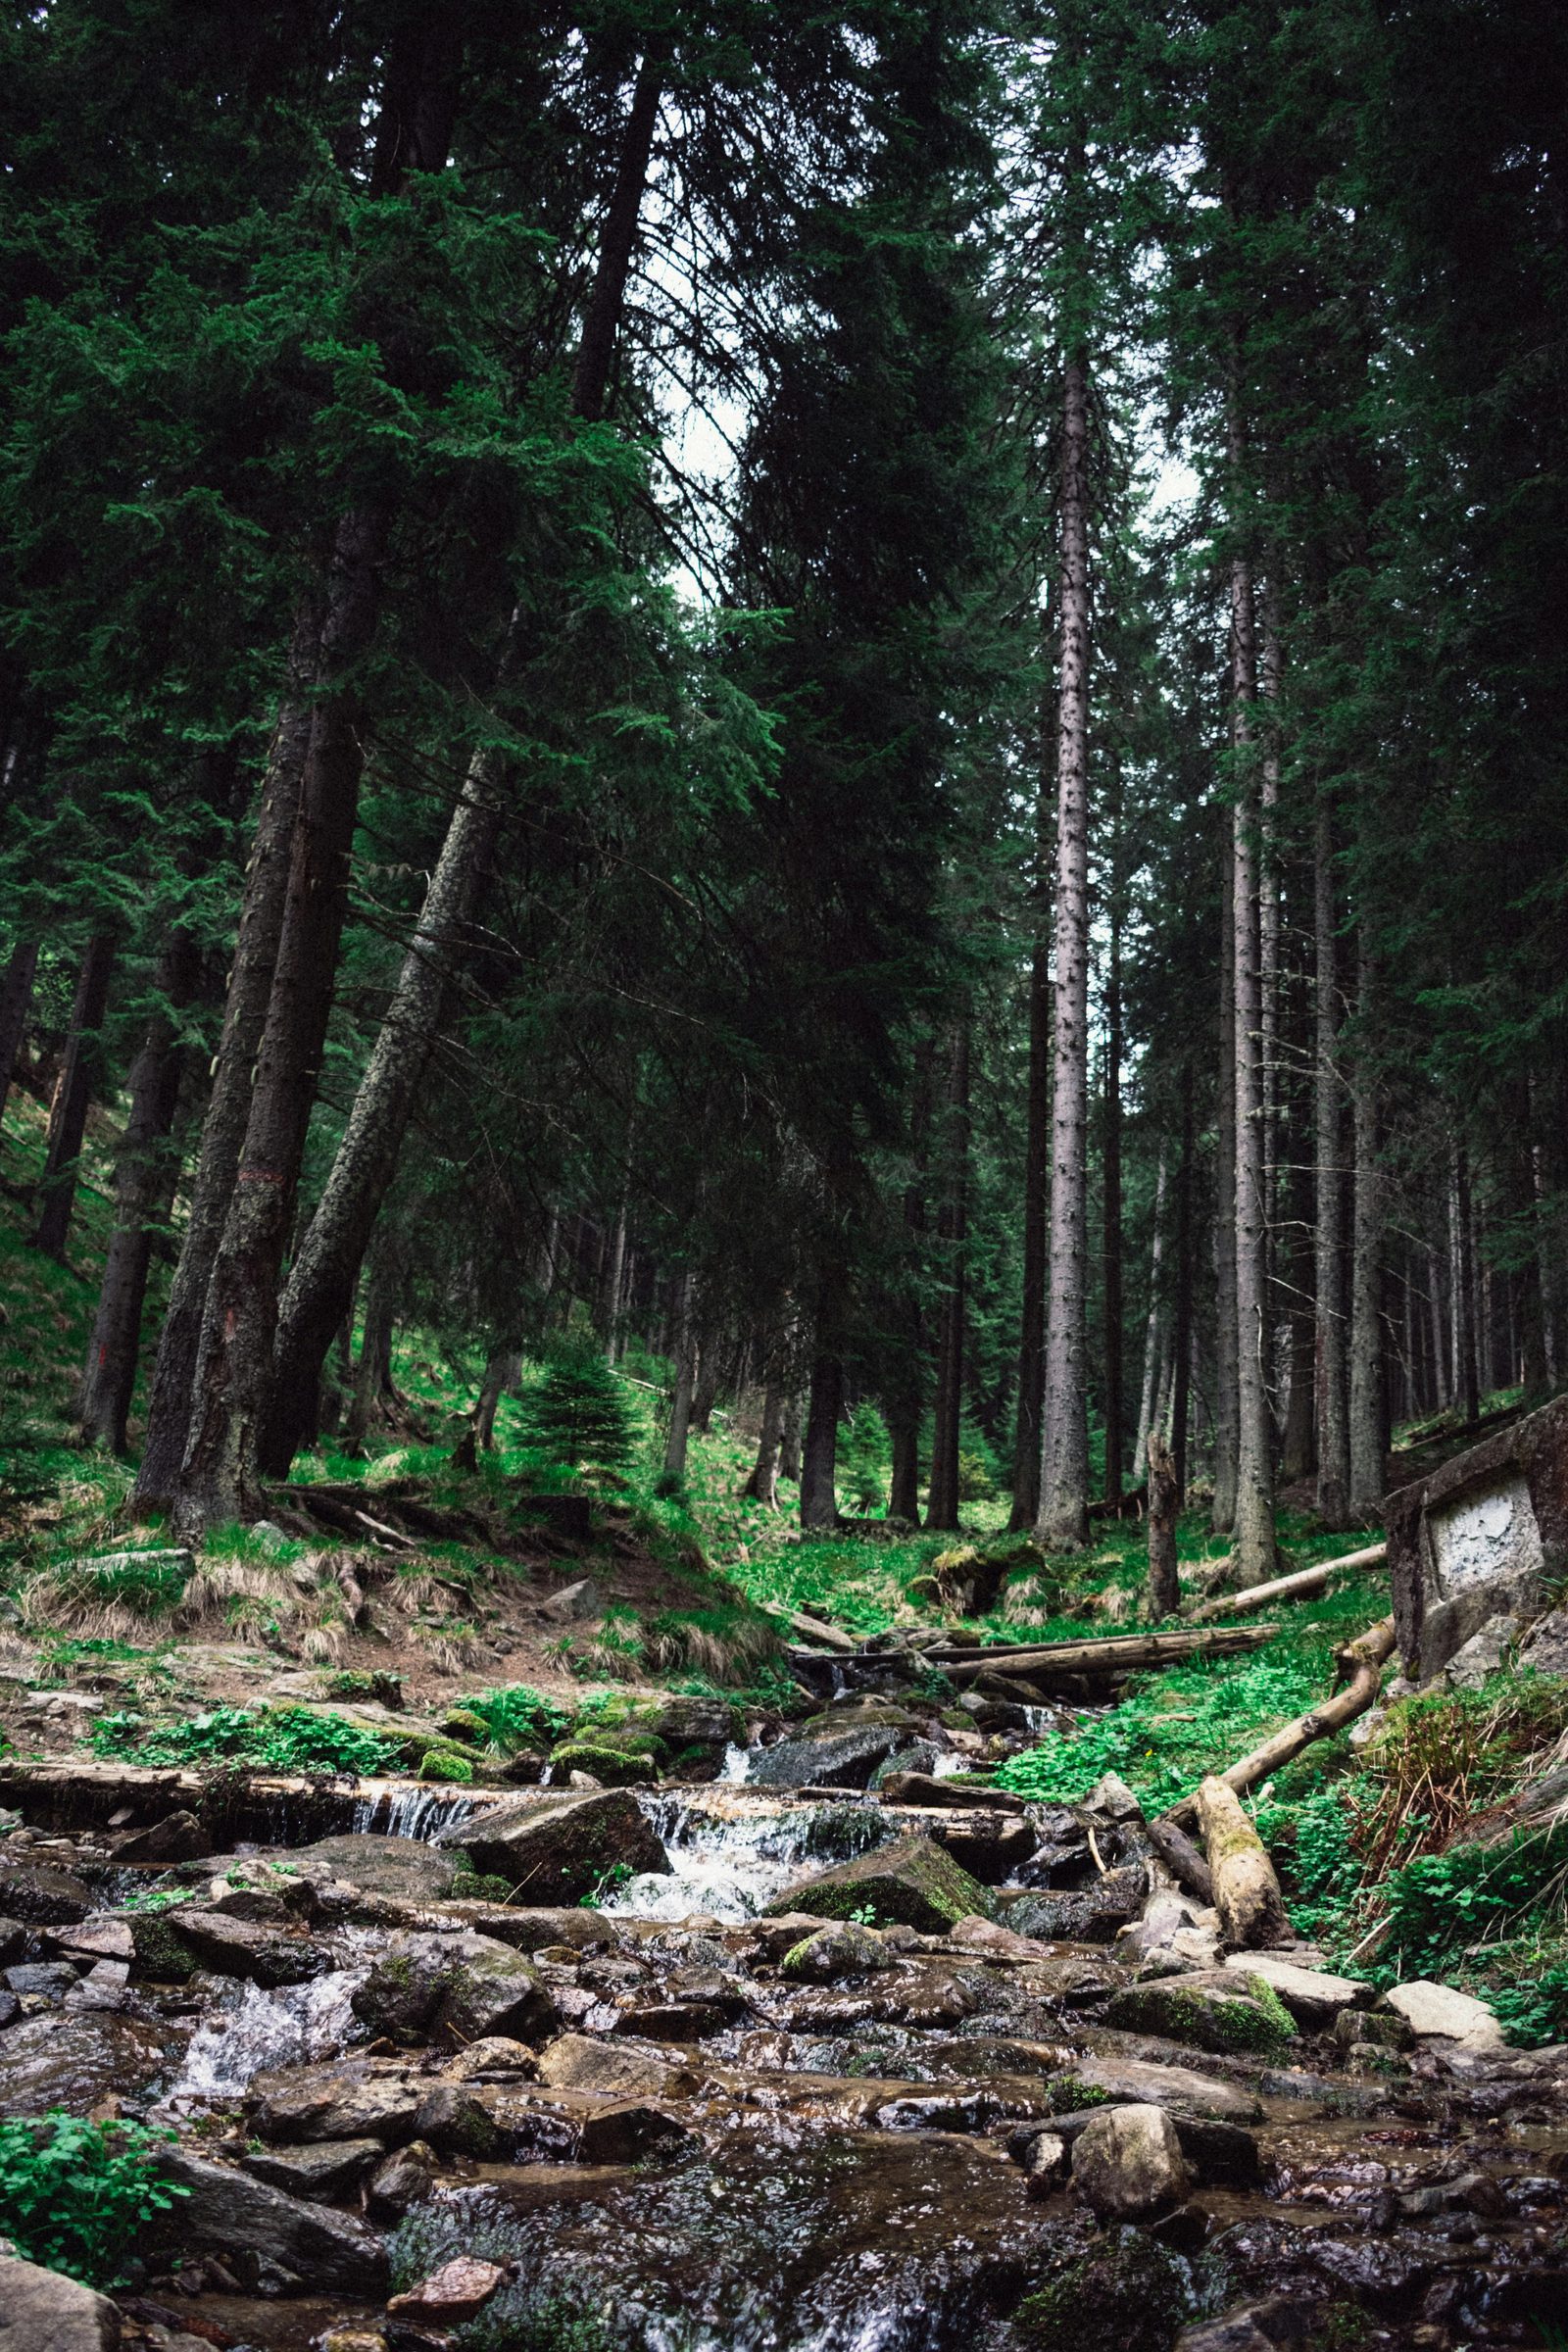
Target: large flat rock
558,1848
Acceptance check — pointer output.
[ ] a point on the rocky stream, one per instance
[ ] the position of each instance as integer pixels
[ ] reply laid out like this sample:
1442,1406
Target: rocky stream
816,2067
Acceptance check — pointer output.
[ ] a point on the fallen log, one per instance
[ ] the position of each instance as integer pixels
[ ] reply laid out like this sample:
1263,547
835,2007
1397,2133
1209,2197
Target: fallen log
810,1628
1247,1891
1288,1588
1360,1663
1112,1654
1181,1858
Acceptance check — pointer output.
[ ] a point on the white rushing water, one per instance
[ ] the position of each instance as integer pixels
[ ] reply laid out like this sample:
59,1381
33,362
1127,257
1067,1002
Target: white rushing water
257,2027
410,1808
728,1860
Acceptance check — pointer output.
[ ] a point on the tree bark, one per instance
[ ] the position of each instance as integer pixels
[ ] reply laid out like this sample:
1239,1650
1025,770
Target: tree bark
68,1115
1165,1502
1183,1335
1255,1555
762,1485
1222,1517
791,1451
1332,1402
250,987
218,1479
819,1505
1111,1147
680,1410
144,1185
1247,1891
1064,1521
16,1002
1466,1379
941,1500
1032,1341
372,1374
1152,1329
1367,1401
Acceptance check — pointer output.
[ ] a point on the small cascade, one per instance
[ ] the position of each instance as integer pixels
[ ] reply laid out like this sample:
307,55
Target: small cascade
737,1765
257,2027
410,1808
728,1858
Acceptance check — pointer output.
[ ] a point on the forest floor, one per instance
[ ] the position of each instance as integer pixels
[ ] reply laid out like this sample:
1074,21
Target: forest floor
483,1640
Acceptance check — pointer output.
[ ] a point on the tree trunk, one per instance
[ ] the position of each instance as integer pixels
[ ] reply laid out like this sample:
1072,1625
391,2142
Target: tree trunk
1329,1339
1112,1169
144,1185
1247,1892
1222,1517
791,1457
250,987
1301,1410
762,1485
502,1371
1184,1335
323,1273
1064,1521
16,1002
942,1500
372,1375
1152,1329
819,1505
218,1479
68,1115
1367,1446
1254,1553
1031,1342
680,1411
1466,1380
1165,1502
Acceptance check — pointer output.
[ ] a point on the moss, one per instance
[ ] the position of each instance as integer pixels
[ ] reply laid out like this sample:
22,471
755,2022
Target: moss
616,1767
160,1953
1124,2293
445,1764
479,1886
1068,2097
1205,2019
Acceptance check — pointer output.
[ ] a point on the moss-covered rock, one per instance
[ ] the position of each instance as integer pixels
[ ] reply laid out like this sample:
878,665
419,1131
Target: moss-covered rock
1247,2016
832,1953
912,1882
558,1845
616,1767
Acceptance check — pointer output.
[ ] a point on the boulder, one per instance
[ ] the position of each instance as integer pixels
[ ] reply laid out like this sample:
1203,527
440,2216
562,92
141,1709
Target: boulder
843,1759
1092,1914
912,1881
574,1604
409,1868
1483,1654
494,2058
42,1896
1110,1799
632,2132
1181,2089
923,1789
531,1931
993,1941
177,1838
342,2098
841,1950
992,1846
458,2290
226,2210
464,1987
43,2311
558,1846
1208,2015
240,1947
1544,1648
73,2059
1436,2012
317,2168
405,2178
1127,2164
575,2062
456,2123
1250,2327
47,1980
94,1940
1313,1998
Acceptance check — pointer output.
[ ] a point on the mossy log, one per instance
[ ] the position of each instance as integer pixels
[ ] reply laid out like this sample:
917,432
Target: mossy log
1247,1892
1360,1665
1293,1586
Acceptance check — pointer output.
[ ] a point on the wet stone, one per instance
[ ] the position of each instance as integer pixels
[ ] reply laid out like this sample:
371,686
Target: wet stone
73,2059
43,1896
1207,2015
558,1847
337,2099
316,2167
912,1881
227,2210
1127,2164
405,1867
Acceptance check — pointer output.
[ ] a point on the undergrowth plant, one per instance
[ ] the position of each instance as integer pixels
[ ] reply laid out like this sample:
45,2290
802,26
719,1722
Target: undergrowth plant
75,2196
266,1739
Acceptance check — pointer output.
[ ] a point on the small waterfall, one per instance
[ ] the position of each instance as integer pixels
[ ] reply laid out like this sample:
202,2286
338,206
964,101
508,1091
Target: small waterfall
410,1808
737,1765
255,2029
729,1858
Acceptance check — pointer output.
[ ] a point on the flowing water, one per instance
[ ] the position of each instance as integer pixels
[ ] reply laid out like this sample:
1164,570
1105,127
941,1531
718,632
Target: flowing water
256,2028
730,1854
411,1809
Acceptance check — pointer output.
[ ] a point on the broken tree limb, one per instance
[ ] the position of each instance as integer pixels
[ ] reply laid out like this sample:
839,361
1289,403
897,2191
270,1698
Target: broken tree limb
1360,1663
1181,1858
1286,1588
1115,1653
1247,1892
810,1628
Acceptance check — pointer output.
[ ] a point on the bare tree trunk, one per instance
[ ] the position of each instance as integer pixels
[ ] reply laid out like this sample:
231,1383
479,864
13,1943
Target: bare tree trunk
1111,1239
16,1002
1063,1522
1466,1380
1254,1554
790,1448
1367,1397
1300,1416
372,1375
1184,1333
1222,1517
1332,1402
680,1411
942,1500
250,987
1152,1329
67,1114
819,1505
1165,1502
1271,665
144,1185
762,1485
1031,1346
